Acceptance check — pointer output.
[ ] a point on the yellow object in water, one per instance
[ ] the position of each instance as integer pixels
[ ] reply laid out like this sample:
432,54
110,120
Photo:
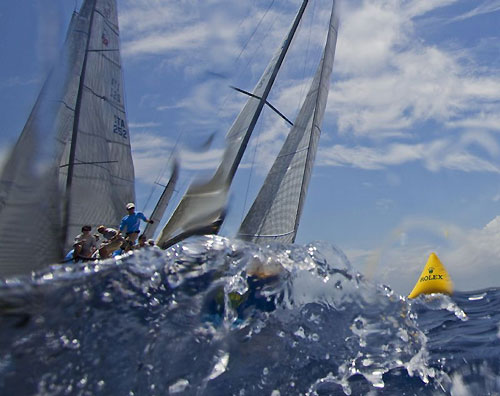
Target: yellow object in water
433,279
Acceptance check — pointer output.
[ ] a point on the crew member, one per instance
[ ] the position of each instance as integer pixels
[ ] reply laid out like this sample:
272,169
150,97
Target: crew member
113,241
88,245
131,223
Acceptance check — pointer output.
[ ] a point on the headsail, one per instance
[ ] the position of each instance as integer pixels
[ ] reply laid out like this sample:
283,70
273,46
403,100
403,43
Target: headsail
162,203
33,179
275,213
202,207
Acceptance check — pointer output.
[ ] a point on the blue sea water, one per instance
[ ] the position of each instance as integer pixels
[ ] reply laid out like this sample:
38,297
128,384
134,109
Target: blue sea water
215,316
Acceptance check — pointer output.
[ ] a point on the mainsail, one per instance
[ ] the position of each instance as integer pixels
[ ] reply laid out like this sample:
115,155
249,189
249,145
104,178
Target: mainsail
275,213
162,203
202,208
77,127
102,180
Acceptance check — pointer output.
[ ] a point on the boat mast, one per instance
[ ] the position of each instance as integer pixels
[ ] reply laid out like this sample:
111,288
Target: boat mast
263,99
74,135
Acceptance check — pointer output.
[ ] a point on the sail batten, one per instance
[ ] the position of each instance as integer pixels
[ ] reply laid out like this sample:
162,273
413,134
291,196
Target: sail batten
278,205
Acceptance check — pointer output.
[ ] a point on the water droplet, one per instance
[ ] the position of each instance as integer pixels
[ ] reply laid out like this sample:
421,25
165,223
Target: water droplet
477,297
106,297
220,365
300,333
314,337
179,386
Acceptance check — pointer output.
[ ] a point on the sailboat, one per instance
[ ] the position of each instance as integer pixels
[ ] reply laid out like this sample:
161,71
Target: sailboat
72,164
275,214
163,201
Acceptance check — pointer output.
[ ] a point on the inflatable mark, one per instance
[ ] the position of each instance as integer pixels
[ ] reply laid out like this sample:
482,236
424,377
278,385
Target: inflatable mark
433,279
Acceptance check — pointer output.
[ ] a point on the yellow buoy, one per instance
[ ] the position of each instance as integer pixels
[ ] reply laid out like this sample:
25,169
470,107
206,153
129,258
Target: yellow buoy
433,279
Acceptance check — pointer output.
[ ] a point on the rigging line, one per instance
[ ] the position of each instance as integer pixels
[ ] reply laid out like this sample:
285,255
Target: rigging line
257,49
240,70
267,102
253,33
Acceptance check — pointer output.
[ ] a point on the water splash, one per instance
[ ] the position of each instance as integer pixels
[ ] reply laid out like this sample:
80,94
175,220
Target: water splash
215,316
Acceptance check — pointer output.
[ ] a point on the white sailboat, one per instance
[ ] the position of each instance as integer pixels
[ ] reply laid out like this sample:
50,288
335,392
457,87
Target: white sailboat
72,164
275,215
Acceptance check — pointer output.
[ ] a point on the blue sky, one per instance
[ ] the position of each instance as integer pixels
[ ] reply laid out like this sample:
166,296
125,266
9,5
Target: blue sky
408,158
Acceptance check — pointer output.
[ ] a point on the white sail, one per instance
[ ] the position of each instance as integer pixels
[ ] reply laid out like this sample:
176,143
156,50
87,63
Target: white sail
32,183
103,172
275,213
201,210
162,203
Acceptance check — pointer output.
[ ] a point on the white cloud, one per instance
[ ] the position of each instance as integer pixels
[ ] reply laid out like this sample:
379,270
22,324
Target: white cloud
434,155
484,8
134,125
155,43
482,120
388,79
421,7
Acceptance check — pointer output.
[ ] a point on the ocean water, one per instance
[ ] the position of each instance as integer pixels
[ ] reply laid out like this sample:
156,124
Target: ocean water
215,316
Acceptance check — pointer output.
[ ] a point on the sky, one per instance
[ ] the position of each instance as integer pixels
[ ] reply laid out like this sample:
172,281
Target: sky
408,160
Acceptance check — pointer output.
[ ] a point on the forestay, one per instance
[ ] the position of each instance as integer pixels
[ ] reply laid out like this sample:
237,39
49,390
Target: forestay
275,213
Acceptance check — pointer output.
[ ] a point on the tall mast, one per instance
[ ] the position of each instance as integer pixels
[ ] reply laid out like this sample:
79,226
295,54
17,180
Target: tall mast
74,135
263,99
202,208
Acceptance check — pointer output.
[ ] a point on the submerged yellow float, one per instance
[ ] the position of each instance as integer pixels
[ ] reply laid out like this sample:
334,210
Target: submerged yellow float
433,279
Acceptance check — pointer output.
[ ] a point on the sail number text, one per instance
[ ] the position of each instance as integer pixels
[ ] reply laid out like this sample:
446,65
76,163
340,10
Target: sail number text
119,127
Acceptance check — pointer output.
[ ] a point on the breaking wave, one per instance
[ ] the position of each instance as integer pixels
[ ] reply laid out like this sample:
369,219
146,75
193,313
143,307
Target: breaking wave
215,316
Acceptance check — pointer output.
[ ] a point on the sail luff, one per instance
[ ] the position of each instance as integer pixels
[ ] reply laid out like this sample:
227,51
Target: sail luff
162,203
319,109
275,213
74,136
202,208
